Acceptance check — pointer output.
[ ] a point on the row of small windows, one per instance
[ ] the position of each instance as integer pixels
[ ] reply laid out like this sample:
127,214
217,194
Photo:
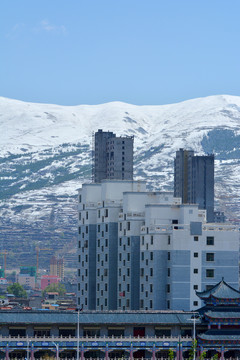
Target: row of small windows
209,256
120,256
120,272
99,229
105,288
128,224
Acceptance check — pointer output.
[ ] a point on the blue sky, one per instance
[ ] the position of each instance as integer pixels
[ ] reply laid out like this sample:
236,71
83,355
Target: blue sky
73,52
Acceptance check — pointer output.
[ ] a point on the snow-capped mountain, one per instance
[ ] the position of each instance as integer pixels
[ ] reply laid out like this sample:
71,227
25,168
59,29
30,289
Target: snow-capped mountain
45,155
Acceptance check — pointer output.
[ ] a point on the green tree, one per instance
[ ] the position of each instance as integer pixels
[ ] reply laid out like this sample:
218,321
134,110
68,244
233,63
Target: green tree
17,290
170,354
215,356
59,288
193,349
203,355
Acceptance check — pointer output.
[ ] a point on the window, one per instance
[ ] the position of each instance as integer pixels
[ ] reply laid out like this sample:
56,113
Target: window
106,227
142,240
79,230
168,304
99,214
195,287
119,271
120,241
151,288
128,241
195,271
128,257
98,228
209,273
195,303
151,240
128,271
169,239
151,271
128,225
150,304
142,288
169,255
195,238
106,212
86,215
120,226
209,256
168,271
106,242
80,198
151,255
195,255
210,240
142,272
142,255
168,288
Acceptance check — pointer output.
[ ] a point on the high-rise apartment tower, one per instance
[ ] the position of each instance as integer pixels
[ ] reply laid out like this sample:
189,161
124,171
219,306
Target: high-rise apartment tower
194,180
113,157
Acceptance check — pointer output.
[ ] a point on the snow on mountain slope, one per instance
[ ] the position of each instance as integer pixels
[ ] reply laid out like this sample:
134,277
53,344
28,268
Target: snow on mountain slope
45,151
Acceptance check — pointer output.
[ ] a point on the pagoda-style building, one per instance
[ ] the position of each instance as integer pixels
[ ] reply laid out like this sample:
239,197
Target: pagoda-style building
221,313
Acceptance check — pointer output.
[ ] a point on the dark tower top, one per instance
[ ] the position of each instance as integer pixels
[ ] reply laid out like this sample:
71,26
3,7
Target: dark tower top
113,157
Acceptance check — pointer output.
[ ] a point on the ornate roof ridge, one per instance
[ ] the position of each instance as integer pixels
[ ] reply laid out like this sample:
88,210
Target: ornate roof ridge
221,290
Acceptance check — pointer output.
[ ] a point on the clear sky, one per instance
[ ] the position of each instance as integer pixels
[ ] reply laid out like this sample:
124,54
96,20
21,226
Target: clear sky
73,52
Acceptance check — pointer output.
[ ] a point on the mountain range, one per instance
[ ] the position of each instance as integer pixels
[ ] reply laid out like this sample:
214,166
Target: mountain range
46,150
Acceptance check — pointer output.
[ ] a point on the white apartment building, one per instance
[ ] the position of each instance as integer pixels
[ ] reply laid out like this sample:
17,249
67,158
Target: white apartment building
146,250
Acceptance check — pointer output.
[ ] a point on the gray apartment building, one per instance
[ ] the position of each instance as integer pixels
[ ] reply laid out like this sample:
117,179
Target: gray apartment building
194,180
112,156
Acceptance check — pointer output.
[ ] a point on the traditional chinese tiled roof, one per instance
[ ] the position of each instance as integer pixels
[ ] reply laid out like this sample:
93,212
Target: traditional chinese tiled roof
220,291
95,317
220,335
223,314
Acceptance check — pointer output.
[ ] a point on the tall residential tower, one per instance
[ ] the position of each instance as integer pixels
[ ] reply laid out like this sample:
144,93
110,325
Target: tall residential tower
113,157
194,180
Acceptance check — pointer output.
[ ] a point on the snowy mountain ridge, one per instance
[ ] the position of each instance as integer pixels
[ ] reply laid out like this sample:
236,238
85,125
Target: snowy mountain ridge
45,152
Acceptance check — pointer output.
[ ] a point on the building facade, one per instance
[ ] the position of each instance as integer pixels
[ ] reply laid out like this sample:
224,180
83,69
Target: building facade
146,250
113,156
57,267
194,180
